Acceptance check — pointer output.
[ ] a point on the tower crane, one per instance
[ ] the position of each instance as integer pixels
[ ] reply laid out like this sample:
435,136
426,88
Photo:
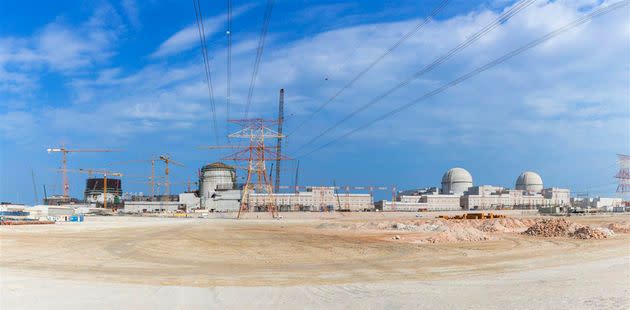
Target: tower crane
152,183
64,163
167,159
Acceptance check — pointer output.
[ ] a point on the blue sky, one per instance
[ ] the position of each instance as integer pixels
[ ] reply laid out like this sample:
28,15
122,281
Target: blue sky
128,75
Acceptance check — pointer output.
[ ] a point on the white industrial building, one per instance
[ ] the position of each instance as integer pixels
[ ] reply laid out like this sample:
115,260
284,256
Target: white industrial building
454,183
495,197
458,192
316,198
218,190
427,202
600,203
528,193
529,182
186,202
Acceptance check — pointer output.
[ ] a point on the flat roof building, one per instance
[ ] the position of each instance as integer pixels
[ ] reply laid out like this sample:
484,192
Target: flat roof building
316,198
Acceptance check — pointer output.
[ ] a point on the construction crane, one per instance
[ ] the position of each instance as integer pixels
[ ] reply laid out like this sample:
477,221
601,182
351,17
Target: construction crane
64,163
102,172
279,141
167,159
151,160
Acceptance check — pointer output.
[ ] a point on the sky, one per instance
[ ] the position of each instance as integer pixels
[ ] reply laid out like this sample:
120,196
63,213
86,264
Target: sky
128,75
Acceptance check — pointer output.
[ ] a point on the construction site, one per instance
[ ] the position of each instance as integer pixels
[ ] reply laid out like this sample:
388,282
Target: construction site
245,228
320,246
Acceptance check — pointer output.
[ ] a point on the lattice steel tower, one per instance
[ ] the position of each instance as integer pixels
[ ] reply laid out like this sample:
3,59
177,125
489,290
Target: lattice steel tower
624,177
256,155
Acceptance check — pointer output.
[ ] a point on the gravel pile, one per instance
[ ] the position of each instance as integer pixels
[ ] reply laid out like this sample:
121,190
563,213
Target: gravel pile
620,228
551,228
563,228
588,232
441,230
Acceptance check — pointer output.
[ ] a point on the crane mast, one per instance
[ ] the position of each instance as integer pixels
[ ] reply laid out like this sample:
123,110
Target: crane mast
64,163
279,142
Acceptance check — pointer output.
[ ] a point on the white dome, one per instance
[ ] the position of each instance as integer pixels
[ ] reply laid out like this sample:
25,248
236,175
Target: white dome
456,181
529,181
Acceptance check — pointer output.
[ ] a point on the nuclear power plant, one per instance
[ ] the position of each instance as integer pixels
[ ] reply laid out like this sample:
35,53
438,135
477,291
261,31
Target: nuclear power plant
218,191
458,192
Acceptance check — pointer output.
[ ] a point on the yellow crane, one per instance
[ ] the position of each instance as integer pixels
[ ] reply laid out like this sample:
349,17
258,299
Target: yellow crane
167,159
152,183
64,163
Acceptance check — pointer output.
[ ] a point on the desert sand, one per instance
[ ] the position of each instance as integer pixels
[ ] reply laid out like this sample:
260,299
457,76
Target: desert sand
332,262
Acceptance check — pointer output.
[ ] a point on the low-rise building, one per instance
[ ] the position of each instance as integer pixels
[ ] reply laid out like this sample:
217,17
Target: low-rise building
421,200
315,198
186,202
604,204
496,197
223,201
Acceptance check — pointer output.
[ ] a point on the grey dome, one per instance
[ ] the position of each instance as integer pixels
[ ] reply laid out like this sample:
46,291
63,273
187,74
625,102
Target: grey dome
529,181
456,181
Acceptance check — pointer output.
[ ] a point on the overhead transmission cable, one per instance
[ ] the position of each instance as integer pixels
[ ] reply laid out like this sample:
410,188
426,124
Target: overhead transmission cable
470,40
481,69
400,41
259,52
229,68
206,63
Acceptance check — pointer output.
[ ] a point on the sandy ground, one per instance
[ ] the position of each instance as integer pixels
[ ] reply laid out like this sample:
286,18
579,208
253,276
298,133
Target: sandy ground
133,262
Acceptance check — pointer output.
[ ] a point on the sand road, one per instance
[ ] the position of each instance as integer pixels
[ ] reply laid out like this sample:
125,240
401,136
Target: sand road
125,262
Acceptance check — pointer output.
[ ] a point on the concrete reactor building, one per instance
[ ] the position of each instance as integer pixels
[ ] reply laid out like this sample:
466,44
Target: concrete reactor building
456,181
459,193
218,190
530,182
95,190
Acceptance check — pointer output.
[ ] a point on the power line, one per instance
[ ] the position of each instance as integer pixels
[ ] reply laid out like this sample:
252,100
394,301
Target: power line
229,68
259,52
481,69
373,63
206,62
483,31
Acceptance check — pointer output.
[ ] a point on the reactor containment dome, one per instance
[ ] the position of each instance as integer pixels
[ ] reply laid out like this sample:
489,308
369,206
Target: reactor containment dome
530,182
456,181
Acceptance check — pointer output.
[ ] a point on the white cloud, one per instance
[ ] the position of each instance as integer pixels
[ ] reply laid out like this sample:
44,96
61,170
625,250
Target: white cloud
570,86
58,47
188,37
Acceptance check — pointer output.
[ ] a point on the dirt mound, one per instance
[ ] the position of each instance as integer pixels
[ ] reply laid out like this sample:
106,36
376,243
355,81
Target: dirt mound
620,228
503,225
565,228
588,232
551,228
458,234
441,230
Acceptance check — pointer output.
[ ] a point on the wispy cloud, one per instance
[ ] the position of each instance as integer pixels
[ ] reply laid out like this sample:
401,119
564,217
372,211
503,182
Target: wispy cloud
130,8
544,85
188,37
59,47
568,96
